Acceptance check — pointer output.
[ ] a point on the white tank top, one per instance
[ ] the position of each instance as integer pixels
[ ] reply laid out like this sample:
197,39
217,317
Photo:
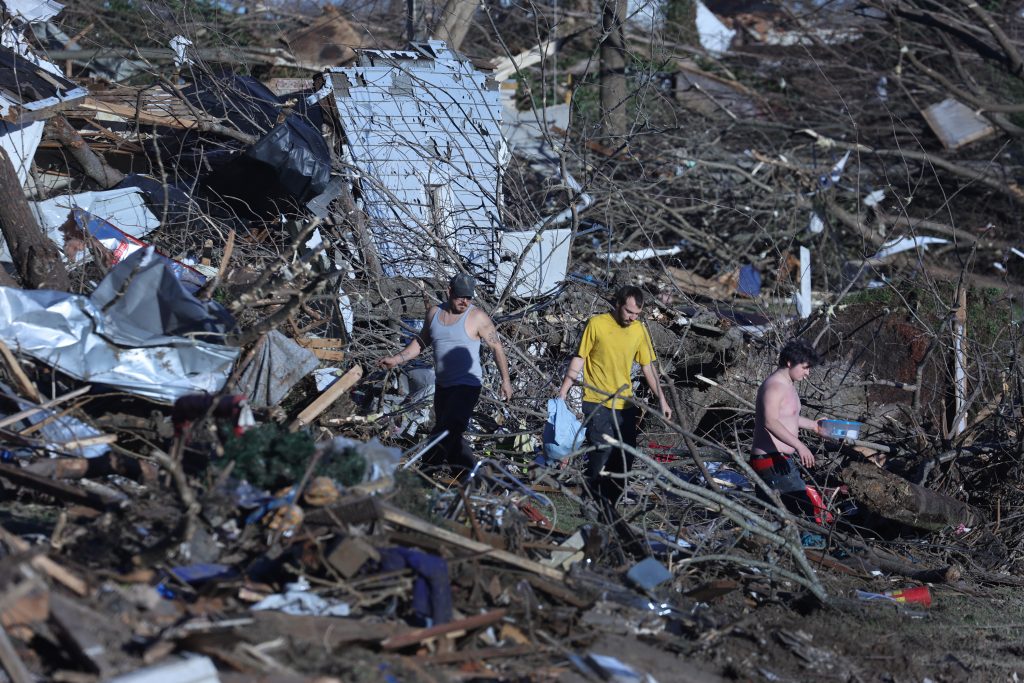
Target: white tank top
456,356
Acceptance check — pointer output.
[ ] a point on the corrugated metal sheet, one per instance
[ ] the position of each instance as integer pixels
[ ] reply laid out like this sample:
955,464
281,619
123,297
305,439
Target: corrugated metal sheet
423,129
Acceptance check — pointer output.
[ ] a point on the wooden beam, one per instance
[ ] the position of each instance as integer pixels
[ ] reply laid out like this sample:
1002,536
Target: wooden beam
324,400
45,564
402,518
51,487
422,634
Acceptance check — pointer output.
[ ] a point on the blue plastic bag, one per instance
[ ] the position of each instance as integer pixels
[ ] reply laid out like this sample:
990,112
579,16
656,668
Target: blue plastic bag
563,433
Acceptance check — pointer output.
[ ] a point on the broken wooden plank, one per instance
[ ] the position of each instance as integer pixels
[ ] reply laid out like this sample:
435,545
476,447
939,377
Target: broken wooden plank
15,668
481,654
324,349
26,604
25,385
19,416
400,517
59,490
324,400
422,634
348,510
87,632
45,564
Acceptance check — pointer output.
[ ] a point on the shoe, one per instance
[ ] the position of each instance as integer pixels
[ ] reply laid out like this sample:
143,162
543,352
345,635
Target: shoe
809,540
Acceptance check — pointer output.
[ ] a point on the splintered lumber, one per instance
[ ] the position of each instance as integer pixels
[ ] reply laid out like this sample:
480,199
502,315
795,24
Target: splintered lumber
45,564
59,490
422,634
895,498
324,349
87,632
19,416
25,385
324,400
402,518
26,604
13,665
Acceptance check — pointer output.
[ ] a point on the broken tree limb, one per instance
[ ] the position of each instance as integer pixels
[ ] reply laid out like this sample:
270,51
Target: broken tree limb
402,518
93,164
869,558
35,257
895,498
739,515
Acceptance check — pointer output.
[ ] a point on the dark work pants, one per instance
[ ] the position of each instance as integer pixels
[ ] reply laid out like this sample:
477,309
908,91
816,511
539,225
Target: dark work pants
784,477
453,406
620,425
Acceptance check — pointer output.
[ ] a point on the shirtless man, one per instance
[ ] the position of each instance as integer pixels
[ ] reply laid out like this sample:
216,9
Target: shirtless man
455,330
777,423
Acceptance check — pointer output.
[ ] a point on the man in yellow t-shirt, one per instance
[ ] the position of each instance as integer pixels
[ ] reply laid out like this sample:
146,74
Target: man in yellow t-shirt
611,343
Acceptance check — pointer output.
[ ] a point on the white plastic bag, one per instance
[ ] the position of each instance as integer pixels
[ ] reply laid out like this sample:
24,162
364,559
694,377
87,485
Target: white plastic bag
563,433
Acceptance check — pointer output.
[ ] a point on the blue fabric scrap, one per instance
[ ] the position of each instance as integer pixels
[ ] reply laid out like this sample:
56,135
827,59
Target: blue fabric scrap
432,589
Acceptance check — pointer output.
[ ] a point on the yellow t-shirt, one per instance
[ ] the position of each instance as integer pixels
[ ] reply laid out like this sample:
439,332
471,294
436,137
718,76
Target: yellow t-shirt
608,351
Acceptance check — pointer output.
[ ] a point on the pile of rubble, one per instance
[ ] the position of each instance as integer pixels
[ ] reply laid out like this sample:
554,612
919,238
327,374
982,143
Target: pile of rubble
208,477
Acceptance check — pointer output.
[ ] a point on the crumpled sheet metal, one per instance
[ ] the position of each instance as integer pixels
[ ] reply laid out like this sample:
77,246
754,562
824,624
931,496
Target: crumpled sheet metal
104,341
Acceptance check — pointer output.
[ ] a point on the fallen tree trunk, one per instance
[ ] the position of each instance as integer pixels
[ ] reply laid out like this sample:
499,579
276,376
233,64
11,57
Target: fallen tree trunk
895,498
35,256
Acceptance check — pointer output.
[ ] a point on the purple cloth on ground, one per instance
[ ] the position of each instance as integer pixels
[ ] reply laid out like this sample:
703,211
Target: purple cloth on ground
432,589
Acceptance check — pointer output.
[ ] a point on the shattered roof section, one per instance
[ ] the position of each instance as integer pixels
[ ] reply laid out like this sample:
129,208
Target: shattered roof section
29,11
31,88
423,128
29,92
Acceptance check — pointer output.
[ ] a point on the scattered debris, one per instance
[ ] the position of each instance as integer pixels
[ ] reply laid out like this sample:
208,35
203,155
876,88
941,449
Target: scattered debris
207,475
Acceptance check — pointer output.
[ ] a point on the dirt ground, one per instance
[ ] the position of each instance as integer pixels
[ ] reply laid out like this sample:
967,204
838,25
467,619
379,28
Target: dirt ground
963,637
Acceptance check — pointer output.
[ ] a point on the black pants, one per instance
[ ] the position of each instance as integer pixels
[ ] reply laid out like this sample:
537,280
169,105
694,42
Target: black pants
620,425
453,406
784,477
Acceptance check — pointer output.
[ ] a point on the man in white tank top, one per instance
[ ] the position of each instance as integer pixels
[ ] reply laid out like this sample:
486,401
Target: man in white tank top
455,330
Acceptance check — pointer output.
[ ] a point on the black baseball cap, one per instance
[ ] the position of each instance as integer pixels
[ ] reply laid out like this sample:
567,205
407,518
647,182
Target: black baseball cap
462,285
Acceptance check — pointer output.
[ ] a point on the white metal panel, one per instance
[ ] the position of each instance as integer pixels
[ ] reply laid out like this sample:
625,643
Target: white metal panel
413,122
